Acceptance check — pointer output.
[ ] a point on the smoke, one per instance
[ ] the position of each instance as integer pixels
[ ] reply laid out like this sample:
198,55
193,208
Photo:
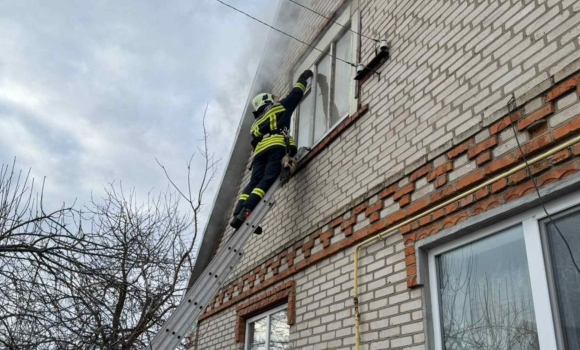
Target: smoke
283,53
275,55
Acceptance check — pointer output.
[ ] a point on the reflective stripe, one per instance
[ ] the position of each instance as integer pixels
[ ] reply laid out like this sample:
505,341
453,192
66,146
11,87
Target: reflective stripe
271,115
273,122
274,140
244,197
258,192
300,86
256,126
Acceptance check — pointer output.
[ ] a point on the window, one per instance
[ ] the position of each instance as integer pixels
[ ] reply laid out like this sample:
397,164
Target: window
512,285
330,96
564,278
486,295
268,331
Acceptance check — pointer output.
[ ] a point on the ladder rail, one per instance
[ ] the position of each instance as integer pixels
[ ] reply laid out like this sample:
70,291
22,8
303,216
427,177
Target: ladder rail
181,321
198,297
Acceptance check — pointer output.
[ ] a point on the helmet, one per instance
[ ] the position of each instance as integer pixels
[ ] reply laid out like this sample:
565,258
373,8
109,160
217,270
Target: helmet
261,100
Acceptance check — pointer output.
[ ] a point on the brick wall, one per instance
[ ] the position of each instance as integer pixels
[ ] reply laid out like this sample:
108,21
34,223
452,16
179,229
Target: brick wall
437,124
426,101
218,332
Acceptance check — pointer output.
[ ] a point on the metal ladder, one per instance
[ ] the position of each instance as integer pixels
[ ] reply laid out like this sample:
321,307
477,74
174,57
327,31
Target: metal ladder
180,323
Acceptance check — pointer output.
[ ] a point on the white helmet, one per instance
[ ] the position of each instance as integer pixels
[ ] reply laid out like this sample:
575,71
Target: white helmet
262,99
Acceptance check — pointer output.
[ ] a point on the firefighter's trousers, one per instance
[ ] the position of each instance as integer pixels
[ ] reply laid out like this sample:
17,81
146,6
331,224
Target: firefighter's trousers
266,168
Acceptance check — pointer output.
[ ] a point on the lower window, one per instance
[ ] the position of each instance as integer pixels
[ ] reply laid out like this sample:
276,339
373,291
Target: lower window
486,295
563,241
514,285
268,331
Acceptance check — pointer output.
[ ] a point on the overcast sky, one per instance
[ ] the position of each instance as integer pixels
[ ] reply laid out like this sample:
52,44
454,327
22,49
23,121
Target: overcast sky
92,91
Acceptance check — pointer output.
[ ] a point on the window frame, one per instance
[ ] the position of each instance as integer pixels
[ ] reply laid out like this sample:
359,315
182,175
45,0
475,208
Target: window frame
313,58
532,222
557,318
265,314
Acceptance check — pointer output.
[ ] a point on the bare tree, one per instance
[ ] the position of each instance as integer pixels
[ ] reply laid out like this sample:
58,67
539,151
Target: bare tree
104,277
35,245
126,294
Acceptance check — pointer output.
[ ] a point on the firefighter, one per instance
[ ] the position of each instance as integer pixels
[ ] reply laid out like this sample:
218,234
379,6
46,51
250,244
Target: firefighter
271,142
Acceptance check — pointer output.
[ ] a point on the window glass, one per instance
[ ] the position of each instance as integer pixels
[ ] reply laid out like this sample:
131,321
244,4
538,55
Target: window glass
322,96
566,277
331,91
270,331
258,334
279,331
485,295
305,122
342,80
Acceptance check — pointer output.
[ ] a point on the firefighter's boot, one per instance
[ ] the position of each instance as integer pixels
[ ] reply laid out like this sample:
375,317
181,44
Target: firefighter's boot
239,219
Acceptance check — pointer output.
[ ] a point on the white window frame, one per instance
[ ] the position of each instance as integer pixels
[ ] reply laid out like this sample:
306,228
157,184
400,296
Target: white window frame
267,315
537,266
550,272
311,61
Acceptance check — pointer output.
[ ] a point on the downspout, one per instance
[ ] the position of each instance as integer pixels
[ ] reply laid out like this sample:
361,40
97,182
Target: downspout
385,232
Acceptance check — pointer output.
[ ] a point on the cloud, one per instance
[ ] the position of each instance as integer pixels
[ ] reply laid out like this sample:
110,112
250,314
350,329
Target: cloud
92,92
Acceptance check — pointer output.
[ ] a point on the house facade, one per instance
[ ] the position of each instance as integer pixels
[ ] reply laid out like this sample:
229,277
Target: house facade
439,205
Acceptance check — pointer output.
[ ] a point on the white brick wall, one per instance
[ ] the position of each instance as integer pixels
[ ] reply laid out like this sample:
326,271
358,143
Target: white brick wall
453,64
474,57
388,310
218,332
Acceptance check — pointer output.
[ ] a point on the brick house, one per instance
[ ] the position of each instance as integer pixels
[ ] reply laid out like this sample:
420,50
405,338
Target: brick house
416,176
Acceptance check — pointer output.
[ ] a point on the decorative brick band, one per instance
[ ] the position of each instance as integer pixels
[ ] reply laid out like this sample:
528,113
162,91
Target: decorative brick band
285,293
478,158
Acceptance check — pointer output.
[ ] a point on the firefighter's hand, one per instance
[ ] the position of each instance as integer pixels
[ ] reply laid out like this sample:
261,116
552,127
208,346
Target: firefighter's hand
306,74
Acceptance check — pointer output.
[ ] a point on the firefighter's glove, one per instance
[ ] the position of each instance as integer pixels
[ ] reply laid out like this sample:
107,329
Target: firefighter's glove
306,74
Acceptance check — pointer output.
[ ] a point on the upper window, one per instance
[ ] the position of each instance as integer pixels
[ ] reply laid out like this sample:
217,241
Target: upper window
330,96
514,285
268,331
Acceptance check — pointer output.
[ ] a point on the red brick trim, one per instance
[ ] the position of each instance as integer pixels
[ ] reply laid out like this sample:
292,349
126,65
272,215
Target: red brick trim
460,149
285,293
563,88
334,134
505,122
323,243
539,114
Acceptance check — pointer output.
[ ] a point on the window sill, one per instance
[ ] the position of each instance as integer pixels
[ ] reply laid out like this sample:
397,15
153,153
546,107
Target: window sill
332,136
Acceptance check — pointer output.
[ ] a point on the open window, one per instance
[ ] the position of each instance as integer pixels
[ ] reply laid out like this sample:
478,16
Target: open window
330,97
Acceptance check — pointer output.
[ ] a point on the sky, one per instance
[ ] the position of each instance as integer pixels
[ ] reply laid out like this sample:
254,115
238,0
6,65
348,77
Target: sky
91,92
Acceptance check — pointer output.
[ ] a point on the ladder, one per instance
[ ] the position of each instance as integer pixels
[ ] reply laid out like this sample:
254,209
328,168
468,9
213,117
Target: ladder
181,321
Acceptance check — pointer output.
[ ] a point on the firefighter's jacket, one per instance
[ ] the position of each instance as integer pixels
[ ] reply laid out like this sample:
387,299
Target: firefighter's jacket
267,129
